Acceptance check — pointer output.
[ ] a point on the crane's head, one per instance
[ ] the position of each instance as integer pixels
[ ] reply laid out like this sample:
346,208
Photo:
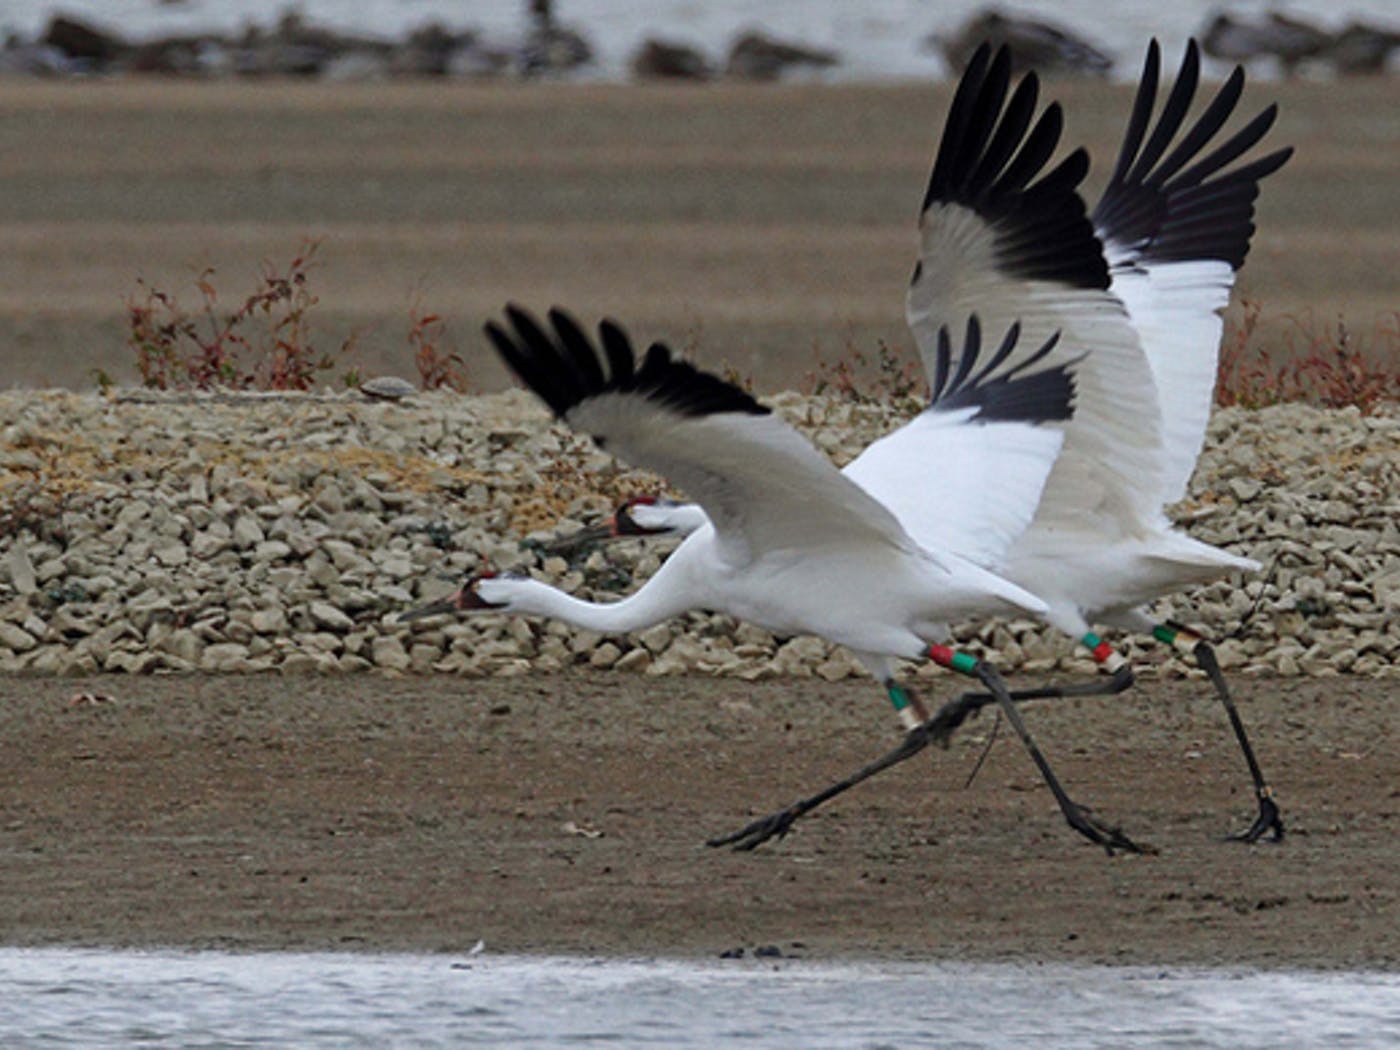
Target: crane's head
644,516
467,598
638,516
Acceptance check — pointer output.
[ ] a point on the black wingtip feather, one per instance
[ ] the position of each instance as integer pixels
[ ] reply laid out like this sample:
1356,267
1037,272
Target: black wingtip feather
565,368
1172,210
1002,395
988,161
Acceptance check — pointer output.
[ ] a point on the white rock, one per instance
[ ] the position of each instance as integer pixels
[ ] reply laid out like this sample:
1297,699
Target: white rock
21,570
271,551
172,554
1386,587
247,532
271,620
308,663
131,662
224,656
388,652
605,655
656,638
633,660
328,616
16,638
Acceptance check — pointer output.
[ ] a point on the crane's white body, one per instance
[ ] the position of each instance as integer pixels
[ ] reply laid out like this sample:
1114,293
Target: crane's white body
784,539
879,600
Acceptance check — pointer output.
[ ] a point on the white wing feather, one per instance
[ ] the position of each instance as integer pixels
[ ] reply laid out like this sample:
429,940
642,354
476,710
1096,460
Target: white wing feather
763,485
1111,458
964,487
1175,308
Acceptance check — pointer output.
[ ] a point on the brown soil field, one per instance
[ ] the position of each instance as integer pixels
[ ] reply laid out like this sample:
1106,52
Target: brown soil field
755,224
567,814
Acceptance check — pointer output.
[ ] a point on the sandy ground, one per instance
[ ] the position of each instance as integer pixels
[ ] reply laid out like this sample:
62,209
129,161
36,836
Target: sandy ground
754,224
426,814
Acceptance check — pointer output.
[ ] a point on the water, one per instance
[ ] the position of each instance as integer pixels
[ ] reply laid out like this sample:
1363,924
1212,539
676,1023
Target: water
54,998
877,39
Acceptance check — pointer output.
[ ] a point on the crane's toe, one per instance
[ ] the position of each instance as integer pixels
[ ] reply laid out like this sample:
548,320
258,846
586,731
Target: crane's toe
1106,835
1269,819
751,836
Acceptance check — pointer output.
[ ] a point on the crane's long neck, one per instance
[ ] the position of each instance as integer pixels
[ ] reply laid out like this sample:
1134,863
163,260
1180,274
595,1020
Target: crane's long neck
652,604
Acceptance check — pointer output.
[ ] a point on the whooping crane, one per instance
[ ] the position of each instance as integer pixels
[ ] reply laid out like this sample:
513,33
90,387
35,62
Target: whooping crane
791,543
1140,285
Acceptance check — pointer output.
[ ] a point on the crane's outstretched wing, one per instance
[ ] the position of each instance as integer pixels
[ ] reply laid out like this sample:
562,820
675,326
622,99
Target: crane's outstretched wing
1001,239
966,474
763,486
1174,235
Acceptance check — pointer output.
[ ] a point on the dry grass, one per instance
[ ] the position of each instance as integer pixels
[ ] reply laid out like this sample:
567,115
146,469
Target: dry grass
1298,358
262,343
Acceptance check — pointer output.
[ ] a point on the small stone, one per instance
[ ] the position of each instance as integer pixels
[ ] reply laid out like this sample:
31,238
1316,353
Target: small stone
399,566
51,569
269,621
307,663
329,617
605,655
172,554
633,660
132,512
16,638
22,570
834,670
224,656
320,642
247,532
1386,588
270,551
330,499
387,388
206,545
656,638
1245,489
344,556
422,656
131,663
388,652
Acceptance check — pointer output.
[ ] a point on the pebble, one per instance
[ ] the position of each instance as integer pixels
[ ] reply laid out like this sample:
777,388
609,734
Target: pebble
234,549
326,615
21,568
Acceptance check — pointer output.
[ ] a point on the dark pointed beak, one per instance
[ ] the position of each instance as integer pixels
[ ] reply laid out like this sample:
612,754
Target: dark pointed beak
442,606
463,599
593,534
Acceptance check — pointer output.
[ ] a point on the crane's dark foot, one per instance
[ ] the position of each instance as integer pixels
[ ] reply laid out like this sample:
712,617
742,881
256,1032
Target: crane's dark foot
778,824
1110,838
751,836
1269,819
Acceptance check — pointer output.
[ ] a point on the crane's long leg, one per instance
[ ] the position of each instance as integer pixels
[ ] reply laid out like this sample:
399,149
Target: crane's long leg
1269,818
1079,817
922,732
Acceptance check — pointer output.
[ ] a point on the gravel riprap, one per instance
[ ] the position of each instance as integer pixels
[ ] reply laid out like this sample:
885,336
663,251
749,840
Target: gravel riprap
144,532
